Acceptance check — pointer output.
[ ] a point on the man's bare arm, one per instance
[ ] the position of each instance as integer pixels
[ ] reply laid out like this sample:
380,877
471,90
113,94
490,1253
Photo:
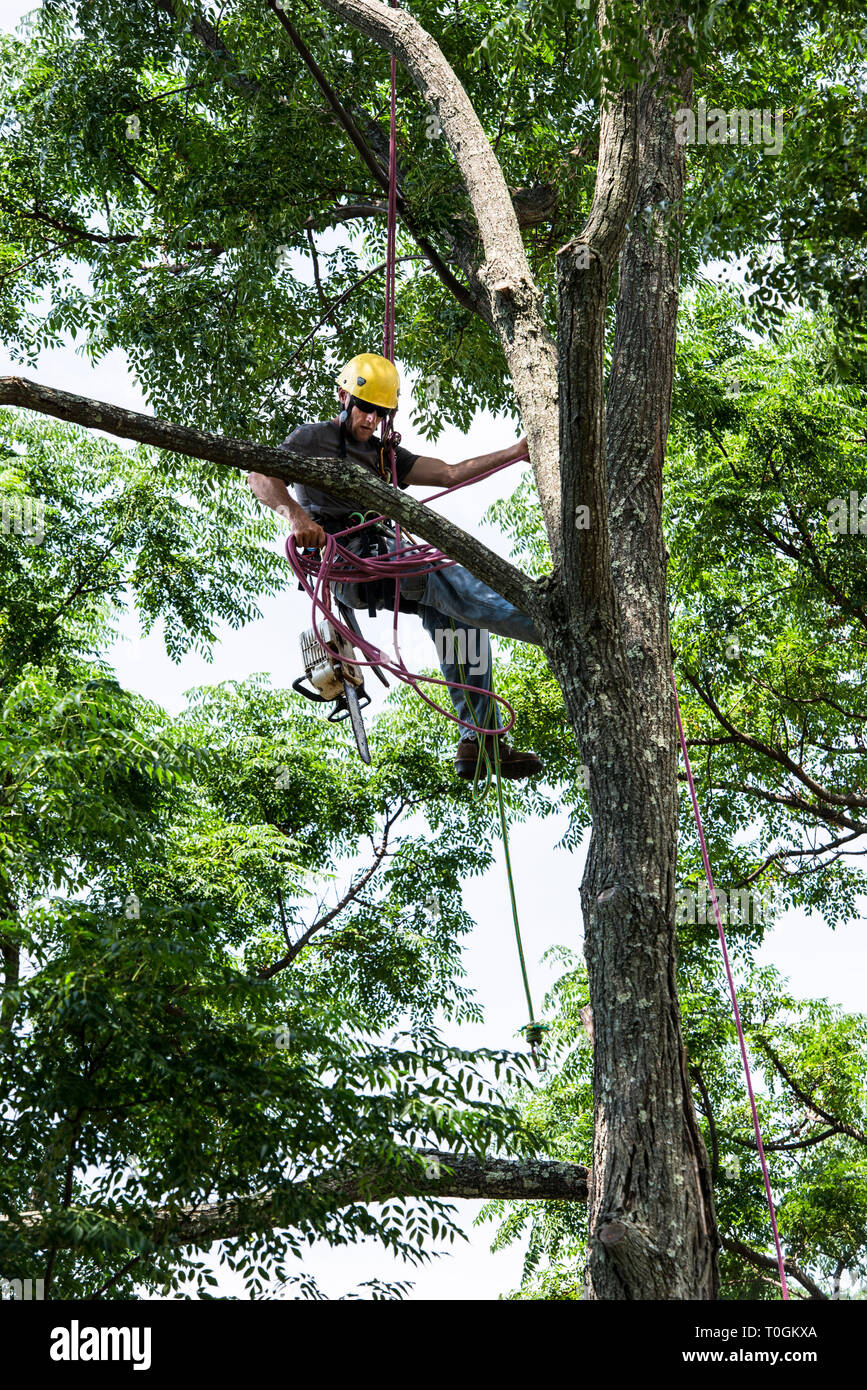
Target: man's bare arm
432,472
274,493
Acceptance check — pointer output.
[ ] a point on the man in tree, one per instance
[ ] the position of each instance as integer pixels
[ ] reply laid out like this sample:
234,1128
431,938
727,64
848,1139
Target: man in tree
457,610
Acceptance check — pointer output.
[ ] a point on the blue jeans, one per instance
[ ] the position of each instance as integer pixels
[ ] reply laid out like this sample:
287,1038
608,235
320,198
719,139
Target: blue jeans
458,611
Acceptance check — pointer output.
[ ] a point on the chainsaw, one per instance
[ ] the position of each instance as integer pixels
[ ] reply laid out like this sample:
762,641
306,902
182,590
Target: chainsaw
336,679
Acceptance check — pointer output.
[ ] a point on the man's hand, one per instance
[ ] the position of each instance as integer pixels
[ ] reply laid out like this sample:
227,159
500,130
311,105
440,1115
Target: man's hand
307,533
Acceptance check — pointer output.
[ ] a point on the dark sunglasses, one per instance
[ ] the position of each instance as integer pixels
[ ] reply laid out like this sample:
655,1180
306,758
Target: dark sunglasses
365,406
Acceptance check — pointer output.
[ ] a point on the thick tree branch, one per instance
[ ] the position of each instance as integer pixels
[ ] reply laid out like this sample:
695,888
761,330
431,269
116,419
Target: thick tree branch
349,212
638,403
444,1176
425,63
330,475
115,1279
839,1272
10,955
584,269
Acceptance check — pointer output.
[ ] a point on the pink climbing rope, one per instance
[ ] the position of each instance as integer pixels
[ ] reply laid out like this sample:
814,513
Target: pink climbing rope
391,243
338,565
389,440
737,1012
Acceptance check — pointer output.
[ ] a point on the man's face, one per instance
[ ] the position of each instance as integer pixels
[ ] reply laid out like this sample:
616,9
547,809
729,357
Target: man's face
361,423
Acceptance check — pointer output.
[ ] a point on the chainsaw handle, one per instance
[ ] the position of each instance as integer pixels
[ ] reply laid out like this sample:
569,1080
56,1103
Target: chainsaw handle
341,709
309,694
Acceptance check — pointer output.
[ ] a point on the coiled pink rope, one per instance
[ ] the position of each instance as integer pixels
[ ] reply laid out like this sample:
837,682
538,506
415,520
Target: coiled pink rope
338,565
737,1012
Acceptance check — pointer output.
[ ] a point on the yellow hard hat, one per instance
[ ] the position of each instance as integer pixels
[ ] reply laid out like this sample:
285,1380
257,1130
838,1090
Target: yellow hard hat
372,379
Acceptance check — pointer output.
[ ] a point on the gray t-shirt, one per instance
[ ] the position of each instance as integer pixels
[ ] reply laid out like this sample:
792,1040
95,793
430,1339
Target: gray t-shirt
322,440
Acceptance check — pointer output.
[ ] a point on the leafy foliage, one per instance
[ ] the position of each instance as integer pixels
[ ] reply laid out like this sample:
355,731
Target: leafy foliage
123,532
760,447
172,177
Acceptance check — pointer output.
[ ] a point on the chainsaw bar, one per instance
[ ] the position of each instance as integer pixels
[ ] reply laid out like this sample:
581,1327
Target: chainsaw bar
355,719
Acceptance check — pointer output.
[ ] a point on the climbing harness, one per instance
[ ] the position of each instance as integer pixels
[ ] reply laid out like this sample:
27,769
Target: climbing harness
732,992
335,564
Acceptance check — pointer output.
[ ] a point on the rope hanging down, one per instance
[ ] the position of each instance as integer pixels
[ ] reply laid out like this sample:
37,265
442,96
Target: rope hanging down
389,440
534,1031
732,992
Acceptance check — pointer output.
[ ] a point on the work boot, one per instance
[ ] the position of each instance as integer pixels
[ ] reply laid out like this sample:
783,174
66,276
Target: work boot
513,764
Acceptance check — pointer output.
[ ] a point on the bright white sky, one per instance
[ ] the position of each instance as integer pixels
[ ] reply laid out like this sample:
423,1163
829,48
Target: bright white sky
818,961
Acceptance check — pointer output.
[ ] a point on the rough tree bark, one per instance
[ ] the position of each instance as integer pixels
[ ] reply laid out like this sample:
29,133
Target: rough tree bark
602,613
652,1224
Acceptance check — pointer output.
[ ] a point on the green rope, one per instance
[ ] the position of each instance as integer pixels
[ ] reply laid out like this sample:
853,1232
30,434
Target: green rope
533,1030
502,811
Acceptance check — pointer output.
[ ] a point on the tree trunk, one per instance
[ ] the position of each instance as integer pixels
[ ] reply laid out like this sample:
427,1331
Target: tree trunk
652,1225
